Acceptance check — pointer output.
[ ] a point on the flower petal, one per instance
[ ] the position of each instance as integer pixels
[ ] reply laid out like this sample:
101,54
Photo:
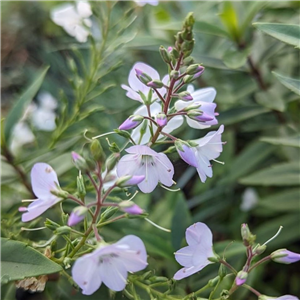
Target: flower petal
207,95
131,93
86,274
185,272
128,165
151,176
165,169
199,233
43,181
184,256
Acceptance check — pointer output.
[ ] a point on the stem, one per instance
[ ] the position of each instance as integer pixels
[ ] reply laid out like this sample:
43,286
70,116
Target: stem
197,292
159,95
76,199
225,263
155,292
250,288
169,136
111,220
259,262
255,72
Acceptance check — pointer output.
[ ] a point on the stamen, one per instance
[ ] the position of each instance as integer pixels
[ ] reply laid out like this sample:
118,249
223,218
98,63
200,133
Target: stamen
220,162
183,254
32,229
132,196
104,134
168,189
84,135
46,244
22,209
159,227
272,238
29,200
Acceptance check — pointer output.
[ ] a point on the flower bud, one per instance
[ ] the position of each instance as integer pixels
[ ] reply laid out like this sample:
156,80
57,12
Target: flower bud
222,271
259,249
97,151
161,119
112,161
137,216
165,54
80,186
174,74
193,69
132,122
213,282
186,153
188,61
77,215
199,116
130,208
62,230
185,96
51,224
79,162
192,106
285,256
188,78
129,180
241,278
108,213
143,77
247,236
155,84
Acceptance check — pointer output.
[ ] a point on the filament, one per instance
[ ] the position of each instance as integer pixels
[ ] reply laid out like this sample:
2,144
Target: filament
272,238
159,227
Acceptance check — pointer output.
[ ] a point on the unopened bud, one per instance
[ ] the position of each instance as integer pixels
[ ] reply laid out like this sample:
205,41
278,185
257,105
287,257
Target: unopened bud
139,216
165,54
51,224
77,215
188,61
112,161
247,236
108,213
199,116
222,271
259,249
285,256
213,282
186,153
185,96
161,119
130,208
97,151
155,84
143,77
174,74
80,186
129,180
193,69
62,230
132,122
79,162
241,278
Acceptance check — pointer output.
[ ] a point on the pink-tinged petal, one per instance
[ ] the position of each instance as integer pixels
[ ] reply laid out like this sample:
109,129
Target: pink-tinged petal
287,297
36,208
113,273
196,124
199,233
86,274
165,169
131,93
133,210
133,255
44,180
186,272
184,256
188,155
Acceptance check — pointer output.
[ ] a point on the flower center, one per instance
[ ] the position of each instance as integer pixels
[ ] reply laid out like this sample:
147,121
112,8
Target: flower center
106,258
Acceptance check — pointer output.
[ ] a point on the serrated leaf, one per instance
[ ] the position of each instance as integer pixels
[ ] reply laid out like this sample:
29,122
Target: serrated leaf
19,261
291,83
181,220
235,59
288,33
18,109
283,141
279,175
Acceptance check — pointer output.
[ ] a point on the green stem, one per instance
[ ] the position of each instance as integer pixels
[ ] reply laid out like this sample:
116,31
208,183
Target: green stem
250,288
197,292
259,262
155,292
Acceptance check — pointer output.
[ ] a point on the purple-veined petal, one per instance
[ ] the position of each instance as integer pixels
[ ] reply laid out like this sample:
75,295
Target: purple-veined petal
86,274
199,233
165,169
128,165
186,272
43,181
151,176
141,150
113,273
204,167
188,155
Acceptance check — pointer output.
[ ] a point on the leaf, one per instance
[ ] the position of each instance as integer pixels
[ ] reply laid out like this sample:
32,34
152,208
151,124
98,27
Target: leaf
239,114
181,220
229,18
235,59
19,261
281,202
283,141
278,175
18,109
288,33
208,28
291,83
270,99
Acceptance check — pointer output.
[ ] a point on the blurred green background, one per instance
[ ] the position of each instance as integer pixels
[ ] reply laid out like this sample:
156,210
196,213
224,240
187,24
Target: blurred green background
259,183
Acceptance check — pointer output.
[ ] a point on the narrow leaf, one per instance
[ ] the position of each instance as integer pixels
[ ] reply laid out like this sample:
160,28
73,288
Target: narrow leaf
283,141
291,83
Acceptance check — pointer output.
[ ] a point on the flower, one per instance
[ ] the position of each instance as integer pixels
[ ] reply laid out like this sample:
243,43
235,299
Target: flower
21,135
129,180
195,256
143,2
130,208
142,160
203,97
77,215
74,20
241,278
136,86
187,154
44,182
208,148
285,297
285,256
131,122
249,199
110,264
155,109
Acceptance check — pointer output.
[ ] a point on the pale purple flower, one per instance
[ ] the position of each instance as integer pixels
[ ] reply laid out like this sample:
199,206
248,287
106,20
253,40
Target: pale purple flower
195,256
204,97
249,199
77,215
131,208
21,135
74,19
285,297
110,264
142,160
131,122
241,278
136,86
129,180
143,2
285,256
44,181
155,109
187,154
161,119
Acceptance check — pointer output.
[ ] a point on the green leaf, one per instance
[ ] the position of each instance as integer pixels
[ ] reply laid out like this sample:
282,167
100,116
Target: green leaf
208,28
283,141
280,202
18,109
291,83
239,114
235,59
278,175
19,261
288,33
181,220
270,99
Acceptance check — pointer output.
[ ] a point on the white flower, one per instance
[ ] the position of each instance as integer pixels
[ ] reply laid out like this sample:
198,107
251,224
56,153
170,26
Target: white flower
74,20
143,2
249,199
21,135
